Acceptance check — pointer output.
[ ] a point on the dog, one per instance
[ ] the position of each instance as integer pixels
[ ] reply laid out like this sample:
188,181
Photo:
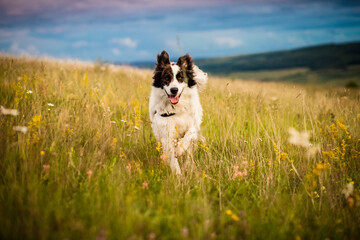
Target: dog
174,106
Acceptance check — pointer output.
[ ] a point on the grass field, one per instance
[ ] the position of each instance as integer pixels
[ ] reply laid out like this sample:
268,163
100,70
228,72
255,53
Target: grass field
329,77
78,160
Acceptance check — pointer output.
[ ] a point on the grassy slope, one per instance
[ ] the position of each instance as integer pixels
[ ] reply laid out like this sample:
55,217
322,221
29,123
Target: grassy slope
286,193
330,77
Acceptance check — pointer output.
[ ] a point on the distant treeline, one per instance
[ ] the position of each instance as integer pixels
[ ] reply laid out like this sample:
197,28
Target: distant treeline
328,56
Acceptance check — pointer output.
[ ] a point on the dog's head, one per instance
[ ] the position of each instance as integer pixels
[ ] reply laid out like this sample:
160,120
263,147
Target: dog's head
174,77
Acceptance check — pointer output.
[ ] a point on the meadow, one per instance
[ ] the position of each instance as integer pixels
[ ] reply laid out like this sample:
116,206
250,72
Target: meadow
78,159
348,77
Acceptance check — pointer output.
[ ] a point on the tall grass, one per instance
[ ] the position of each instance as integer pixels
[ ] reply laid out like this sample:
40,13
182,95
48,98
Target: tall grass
88,166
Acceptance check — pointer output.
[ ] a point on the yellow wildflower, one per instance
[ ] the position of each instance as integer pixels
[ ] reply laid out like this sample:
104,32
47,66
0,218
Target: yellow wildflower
320,166
159,148
114,141
228,212
334,130
329,154
234,217
85,79
283,156
342,126
138,120
122,155
203,146
35,123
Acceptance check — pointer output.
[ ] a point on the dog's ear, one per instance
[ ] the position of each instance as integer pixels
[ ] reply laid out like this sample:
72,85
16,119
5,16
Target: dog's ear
162,61
186,63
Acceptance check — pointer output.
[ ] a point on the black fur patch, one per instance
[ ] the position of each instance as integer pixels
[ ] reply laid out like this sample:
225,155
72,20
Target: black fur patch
163,73
186,64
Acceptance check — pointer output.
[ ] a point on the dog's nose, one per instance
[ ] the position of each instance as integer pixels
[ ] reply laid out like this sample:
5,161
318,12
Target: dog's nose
174,90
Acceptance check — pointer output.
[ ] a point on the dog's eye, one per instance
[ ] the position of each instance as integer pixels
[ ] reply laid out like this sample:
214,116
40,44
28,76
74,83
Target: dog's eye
180,77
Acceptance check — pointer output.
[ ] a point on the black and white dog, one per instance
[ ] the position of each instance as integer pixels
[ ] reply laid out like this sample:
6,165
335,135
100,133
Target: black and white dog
175,109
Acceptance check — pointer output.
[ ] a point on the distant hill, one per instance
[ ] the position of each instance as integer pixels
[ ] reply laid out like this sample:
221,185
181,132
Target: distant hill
329,56
330,64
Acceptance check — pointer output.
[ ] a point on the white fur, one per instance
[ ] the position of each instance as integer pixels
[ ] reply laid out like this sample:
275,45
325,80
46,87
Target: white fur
174,83
177,132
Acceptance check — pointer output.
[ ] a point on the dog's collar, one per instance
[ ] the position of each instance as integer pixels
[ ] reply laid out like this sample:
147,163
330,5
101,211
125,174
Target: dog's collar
167,114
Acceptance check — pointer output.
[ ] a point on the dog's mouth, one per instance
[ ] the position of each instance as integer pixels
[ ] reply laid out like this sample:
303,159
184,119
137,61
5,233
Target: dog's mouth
174,98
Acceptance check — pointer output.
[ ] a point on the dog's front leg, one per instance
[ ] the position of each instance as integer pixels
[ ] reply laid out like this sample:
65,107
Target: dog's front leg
174,165
169,153
185,142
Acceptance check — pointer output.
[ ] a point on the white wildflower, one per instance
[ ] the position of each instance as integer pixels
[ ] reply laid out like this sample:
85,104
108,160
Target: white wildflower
124,121
348,190
22,129
28,92
137,128
299,138
313,150
50,105
5,111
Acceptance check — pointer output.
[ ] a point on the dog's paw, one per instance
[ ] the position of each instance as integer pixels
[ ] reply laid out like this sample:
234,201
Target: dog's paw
177,171
175,168
179,151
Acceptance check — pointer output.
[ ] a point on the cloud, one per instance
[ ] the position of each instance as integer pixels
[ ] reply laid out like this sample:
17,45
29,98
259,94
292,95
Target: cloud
144,53
25,7
229,42
49,30
4,33
80,44
127,42
30,50
116,51
8,36
172,44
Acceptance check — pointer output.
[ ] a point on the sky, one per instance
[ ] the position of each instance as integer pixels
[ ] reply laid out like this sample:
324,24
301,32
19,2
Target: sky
137,30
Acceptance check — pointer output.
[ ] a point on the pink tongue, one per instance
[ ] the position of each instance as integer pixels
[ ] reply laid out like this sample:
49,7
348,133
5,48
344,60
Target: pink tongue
174,99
